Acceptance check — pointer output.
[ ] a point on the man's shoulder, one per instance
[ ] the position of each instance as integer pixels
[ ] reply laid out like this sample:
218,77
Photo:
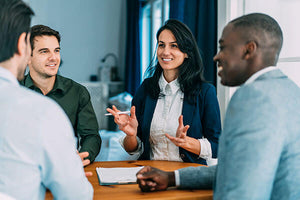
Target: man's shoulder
68,82
27,101
266,97
27,94
26,98
273,84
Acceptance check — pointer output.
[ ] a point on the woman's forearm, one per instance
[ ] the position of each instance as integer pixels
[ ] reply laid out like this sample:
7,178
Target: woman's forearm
130,143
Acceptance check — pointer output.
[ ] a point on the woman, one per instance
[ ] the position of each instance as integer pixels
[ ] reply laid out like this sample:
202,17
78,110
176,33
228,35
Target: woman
175,94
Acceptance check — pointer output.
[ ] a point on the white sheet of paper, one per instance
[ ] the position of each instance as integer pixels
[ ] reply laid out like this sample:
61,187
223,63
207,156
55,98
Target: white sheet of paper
117,175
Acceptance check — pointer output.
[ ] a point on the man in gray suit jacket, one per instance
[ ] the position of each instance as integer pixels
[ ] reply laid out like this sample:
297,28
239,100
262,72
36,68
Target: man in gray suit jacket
259,152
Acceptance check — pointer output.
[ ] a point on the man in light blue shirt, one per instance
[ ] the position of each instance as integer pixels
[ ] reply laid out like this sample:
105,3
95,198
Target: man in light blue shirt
31,158
259,149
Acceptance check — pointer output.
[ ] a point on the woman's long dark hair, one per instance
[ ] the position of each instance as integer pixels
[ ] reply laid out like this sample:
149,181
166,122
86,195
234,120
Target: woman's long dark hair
190,74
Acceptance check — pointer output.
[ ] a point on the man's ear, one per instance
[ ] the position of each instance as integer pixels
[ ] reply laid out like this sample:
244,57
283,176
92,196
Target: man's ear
250,49
22,44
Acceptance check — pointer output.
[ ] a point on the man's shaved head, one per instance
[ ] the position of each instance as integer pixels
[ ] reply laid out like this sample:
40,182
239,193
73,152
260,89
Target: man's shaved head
264,31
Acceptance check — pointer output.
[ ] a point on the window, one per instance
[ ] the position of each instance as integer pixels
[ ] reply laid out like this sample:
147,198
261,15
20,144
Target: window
284,11
154,14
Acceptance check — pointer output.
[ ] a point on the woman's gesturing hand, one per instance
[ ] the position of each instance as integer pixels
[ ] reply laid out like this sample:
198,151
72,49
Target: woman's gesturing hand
127,123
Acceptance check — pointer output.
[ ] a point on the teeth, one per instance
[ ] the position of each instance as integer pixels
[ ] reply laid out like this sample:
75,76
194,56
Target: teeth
52,65
220,68
164,59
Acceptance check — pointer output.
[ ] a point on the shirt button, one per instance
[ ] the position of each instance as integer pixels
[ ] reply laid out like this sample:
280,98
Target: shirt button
182,155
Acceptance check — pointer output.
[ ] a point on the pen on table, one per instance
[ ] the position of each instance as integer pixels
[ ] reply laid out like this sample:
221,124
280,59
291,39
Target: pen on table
122,112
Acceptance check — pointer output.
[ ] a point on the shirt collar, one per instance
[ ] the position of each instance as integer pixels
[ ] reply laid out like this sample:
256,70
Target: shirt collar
28,82
58,85
6,75
168,88
259,73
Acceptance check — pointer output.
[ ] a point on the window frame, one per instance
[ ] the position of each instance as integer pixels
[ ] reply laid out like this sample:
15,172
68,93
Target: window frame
149,26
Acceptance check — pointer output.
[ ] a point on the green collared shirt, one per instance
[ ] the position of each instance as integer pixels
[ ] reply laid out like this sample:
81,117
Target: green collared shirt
76,102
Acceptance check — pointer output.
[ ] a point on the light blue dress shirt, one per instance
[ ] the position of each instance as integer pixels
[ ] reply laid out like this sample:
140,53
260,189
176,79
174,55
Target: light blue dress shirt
31,157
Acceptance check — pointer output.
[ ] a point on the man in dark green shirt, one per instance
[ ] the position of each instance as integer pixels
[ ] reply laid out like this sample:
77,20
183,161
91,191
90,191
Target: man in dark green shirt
71,96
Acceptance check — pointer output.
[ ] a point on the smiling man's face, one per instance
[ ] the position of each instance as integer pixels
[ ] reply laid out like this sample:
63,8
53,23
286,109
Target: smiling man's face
232,66
45,58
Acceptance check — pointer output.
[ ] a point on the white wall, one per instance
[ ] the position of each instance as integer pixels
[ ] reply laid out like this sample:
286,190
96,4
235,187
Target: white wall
89,28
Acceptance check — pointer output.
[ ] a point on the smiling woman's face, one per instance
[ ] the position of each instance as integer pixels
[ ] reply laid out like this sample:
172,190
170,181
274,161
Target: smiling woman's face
169,55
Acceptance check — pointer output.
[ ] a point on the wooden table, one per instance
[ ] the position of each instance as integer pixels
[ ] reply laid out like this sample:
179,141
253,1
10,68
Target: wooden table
132,191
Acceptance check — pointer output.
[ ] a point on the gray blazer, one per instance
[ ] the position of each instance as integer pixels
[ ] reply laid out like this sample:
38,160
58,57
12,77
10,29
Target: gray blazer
259,149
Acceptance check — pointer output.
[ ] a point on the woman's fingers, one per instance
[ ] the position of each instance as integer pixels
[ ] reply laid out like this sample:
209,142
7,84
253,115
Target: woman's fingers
180,121
132,112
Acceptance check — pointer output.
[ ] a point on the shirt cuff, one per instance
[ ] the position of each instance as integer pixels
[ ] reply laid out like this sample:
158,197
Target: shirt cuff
138,151
177,179
205,152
